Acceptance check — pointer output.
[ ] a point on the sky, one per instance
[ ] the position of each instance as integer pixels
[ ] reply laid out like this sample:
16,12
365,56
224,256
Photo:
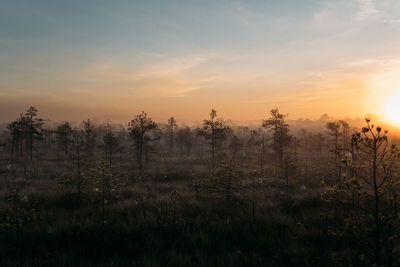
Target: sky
113,59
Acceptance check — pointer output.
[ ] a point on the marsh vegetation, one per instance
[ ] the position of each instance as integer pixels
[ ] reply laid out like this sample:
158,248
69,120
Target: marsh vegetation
166,194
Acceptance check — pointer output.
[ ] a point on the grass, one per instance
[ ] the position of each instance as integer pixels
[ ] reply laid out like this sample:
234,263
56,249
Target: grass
157,220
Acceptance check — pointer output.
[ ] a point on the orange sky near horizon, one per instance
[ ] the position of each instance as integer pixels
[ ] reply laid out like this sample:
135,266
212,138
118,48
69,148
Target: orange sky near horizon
345,94
113,60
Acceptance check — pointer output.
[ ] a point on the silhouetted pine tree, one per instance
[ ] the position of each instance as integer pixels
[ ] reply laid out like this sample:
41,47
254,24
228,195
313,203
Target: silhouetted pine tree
139,128
214,130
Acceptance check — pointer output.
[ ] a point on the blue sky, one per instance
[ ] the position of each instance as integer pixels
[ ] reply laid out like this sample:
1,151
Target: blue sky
113,59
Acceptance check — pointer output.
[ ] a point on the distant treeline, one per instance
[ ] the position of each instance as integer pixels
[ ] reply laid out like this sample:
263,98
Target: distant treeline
149,193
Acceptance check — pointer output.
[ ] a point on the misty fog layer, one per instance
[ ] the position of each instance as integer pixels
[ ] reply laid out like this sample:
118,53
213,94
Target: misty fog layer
280,193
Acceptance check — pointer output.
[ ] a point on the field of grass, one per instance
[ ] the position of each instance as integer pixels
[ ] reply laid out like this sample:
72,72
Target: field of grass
182,216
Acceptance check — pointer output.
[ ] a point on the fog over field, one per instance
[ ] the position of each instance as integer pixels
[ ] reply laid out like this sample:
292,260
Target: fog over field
200,133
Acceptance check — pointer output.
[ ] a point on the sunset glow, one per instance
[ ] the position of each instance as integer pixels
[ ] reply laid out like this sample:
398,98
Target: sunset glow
392,108
113,59
200,133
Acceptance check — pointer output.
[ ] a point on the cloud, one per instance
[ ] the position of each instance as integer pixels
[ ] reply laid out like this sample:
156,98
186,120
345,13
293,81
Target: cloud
367,10
159,76
339,12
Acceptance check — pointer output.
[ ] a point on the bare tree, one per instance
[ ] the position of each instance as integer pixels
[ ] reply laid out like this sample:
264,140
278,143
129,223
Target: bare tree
369,193
16,129
281,142
171,126
111,144
64,132
345,129
214,130
78,147
25,130
89,135
280,132
139,128
334,132
34,127
104,183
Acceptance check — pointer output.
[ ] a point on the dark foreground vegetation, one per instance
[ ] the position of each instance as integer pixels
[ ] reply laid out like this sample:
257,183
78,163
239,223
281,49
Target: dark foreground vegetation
152,194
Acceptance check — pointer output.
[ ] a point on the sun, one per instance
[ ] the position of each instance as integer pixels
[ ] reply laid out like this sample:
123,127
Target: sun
392,108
